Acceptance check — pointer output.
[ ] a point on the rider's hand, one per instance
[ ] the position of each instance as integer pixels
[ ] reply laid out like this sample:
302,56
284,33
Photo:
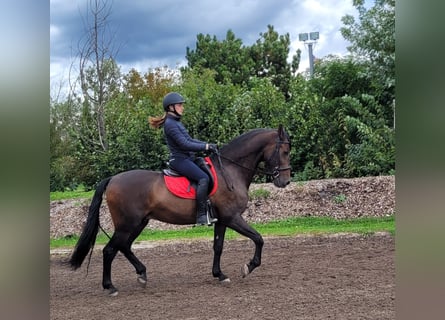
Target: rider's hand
213,147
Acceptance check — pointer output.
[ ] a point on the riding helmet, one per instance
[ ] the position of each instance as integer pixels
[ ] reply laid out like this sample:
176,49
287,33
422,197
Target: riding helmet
172,98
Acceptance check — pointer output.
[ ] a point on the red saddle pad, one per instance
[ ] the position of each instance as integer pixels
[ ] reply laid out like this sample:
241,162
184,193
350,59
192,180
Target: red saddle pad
180,186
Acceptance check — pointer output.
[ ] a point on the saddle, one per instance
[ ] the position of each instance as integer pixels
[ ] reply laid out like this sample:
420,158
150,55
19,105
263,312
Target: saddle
182,187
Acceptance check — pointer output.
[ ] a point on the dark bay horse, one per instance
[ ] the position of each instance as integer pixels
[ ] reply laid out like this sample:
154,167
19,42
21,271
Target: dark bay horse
134,197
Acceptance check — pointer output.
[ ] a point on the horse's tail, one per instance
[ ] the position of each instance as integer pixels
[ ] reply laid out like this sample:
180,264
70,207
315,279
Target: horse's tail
89,232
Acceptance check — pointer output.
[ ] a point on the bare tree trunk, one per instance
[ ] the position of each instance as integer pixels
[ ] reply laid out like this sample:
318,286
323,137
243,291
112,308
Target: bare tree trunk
94,52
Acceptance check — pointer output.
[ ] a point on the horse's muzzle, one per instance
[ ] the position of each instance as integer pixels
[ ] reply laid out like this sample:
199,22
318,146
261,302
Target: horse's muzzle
281,183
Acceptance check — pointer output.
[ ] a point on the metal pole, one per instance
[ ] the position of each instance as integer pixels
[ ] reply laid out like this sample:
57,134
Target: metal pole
311,60
394,114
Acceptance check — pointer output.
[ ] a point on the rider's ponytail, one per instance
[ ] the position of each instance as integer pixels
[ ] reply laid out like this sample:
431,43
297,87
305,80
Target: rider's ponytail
157,122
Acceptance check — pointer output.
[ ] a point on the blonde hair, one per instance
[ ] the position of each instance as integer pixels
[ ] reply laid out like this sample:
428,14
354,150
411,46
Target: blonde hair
157,122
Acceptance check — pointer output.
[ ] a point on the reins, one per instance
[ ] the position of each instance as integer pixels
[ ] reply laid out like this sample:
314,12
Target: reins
230,186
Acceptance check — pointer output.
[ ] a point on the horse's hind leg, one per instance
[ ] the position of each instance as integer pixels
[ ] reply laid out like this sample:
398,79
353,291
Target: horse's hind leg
109,253
121,241
138,265
140,268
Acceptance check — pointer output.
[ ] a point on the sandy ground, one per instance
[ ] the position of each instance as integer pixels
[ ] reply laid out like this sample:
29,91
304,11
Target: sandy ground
336,277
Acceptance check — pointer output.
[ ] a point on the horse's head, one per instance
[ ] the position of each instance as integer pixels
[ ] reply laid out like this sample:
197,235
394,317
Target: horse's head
268,146
277,158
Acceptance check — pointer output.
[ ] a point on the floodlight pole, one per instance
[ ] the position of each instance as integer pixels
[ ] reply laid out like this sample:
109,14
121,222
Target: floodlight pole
313,36
311,59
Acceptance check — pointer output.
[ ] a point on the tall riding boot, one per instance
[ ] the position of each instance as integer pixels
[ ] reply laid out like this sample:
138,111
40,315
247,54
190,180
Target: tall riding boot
202,215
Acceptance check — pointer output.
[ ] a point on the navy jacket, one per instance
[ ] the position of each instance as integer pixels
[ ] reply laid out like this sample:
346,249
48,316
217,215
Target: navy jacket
179,142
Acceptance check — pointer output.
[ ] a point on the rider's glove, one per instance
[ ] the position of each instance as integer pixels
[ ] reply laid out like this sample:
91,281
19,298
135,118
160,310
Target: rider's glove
213,148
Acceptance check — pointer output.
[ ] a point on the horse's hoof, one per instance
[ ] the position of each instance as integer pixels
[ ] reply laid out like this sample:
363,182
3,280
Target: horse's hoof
113,292
245,270
223,278
142,280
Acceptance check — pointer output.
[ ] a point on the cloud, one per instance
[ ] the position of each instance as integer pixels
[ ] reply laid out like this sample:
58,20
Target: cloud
151,34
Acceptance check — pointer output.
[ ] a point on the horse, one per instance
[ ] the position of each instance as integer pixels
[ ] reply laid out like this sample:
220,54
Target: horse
136,196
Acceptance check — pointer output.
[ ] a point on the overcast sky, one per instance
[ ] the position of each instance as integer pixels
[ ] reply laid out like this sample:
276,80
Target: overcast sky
156,33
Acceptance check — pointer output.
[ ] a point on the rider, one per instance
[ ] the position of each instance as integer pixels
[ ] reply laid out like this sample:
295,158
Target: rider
182,151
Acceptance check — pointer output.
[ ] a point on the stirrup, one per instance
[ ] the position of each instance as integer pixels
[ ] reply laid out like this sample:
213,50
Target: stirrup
209,220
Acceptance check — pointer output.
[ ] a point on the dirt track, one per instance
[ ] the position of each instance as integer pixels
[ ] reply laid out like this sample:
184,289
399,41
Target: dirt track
339,277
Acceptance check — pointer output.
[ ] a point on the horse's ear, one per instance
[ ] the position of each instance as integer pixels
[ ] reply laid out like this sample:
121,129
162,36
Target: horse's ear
281,132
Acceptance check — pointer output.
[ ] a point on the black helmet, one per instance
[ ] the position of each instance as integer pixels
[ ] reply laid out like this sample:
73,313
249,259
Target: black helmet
172,98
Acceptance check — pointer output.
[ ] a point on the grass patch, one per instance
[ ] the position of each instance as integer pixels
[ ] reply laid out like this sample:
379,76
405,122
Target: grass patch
340,198
327,225
259,194
75,194
288,227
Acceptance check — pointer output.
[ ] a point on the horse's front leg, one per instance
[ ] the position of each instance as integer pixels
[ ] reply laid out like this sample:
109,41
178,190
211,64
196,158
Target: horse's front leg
240,225
218,243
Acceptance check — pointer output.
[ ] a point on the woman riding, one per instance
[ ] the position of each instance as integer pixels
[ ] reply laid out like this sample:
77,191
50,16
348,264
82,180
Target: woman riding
182,151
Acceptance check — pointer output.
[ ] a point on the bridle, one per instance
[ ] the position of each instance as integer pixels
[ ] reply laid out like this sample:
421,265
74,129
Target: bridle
274,173
276,169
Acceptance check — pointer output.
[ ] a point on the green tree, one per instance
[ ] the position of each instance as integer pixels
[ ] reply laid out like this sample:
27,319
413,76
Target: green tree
152,85
270,54
208,106
370,147
265,103
339,127
335,77
372,39
236,64
132,144
229,58
303,126
63,146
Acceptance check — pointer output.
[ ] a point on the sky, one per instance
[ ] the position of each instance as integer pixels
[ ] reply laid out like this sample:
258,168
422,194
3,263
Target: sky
150,34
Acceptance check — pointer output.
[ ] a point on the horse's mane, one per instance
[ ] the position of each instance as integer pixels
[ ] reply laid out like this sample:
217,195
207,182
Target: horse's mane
248,135
243,139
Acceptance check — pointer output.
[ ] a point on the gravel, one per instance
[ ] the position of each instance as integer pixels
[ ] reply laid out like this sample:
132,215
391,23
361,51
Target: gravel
338,198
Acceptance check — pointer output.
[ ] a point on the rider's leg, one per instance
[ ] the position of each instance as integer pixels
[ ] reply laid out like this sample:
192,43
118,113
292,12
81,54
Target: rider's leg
202,215
193,172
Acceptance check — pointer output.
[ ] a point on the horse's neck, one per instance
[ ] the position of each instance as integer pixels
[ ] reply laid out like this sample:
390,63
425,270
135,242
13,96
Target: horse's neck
246,156
245,159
